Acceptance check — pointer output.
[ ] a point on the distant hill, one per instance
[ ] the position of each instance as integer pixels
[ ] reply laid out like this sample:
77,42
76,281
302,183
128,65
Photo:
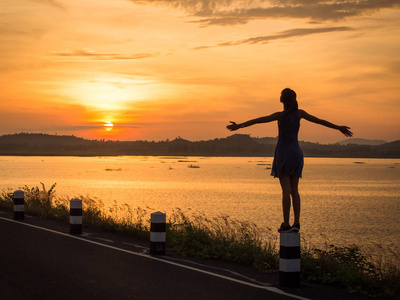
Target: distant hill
234,145
41,139
266,140
356,141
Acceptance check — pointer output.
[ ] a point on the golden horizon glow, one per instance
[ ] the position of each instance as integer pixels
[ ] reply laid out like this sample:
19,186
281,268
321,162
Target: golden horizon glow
186,69
108,126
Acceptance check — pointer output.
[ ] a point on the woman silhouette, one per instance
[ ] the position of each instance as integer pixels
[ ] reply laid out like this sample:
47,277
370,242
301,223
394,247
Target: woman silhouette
288,159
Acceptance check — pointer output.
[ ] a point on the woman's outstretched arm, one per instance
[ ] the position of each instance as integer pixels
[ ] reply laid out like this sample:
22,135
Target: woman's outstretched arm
266,119
343,129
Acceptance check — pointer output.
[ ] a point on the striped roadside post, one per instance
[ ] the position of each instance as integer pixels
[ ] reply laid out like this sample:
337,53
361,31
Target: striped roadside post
75,216
289,259
19,205
158,233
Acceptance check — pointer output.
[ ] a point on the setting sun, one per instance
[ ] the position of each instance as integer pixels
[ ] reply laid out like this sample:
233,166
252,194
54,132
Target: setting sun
108,126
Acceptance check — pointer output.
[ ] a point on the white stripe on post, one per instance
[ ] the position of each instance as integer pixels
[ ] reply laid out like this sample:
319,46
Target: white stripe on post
19,208
75,216
19,205
158,237
289,265
158,233
75,219
289,259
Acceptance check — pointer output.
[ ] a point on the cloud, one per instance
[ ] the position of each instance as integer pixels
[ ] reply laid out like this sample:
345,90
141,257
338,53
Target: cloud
232,12
86,54
297,32
297,9
53,3
195,6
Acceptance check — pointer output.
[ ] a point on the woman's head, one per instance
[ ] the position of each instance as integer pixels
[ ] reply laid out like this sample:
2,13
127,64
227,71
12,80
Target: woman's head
288,98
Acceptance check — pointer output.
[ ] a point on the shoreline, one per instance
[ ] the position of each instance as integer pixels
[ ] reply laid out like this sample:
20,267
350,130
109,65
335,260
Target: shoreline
237,145
182,155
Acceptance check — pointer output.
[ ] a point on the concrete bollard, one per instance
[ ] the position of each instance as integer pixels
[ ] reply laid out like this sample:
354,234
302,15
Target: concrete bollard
158,233
75,216
289,259
19,205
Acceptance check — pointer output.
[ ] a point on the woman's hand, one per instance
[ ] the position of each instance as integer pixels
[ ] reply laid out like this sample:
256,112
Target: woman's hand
233,126
345,130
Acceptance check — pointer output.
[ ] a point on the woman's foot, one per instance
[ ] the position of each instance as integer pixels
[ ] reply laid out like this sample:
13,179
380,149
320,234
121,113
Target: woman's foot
284,228
296,227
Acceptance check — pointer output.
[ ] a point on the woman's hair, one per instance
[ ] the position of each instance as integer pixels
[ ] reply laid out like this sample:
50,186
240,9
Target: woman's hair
288,98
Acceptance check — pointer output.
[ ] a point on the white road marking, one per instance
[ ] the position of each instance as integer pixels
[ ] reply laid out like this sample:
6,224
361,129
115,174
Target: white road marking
137,246
97,238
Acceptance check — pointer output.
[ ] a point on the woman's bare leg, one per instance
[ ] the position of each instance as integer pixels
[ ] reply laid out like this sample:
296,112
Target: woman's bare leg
286,191
294,191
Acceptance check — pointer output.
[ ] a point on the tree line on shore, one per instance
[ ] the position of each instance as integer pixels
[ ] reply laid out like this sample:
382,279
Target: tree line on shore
234,145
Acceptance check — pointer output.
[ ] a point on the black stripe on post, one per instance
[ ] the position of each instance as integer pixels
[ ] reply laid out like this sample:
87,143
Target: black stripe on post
19,201
289,278
75,212
289,252
158,227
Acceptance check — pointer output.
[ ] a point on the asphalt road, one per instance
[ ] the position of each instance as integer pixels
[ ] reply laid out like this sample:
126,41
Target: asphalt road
41,264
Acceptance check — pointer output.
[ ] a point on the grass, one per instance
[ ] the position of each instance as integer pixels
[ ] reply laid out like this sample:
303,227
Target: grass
222,238
350,268
227,239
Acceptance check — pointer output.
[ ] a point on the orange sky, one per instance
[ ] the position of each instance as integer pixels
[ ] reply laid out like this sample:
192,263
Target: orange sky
162,69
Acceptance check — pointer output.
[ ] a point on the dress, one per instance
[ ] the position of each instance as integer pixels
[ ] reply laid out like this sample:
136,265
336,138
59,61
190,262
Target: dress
288,159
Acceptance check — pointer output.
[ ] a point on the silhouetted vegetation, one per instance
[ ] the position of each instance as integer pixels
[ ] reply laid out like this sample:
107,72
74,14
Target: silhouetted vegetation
234,145
227,239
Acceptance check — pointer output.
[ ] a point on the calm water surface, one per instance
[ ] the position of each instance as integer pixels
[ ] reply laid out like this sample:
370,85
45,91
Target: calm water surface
348,201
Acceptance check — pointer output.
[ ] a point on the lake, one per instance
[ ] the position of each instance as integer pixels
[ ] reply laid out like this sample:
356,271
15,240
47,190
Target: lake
345,201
